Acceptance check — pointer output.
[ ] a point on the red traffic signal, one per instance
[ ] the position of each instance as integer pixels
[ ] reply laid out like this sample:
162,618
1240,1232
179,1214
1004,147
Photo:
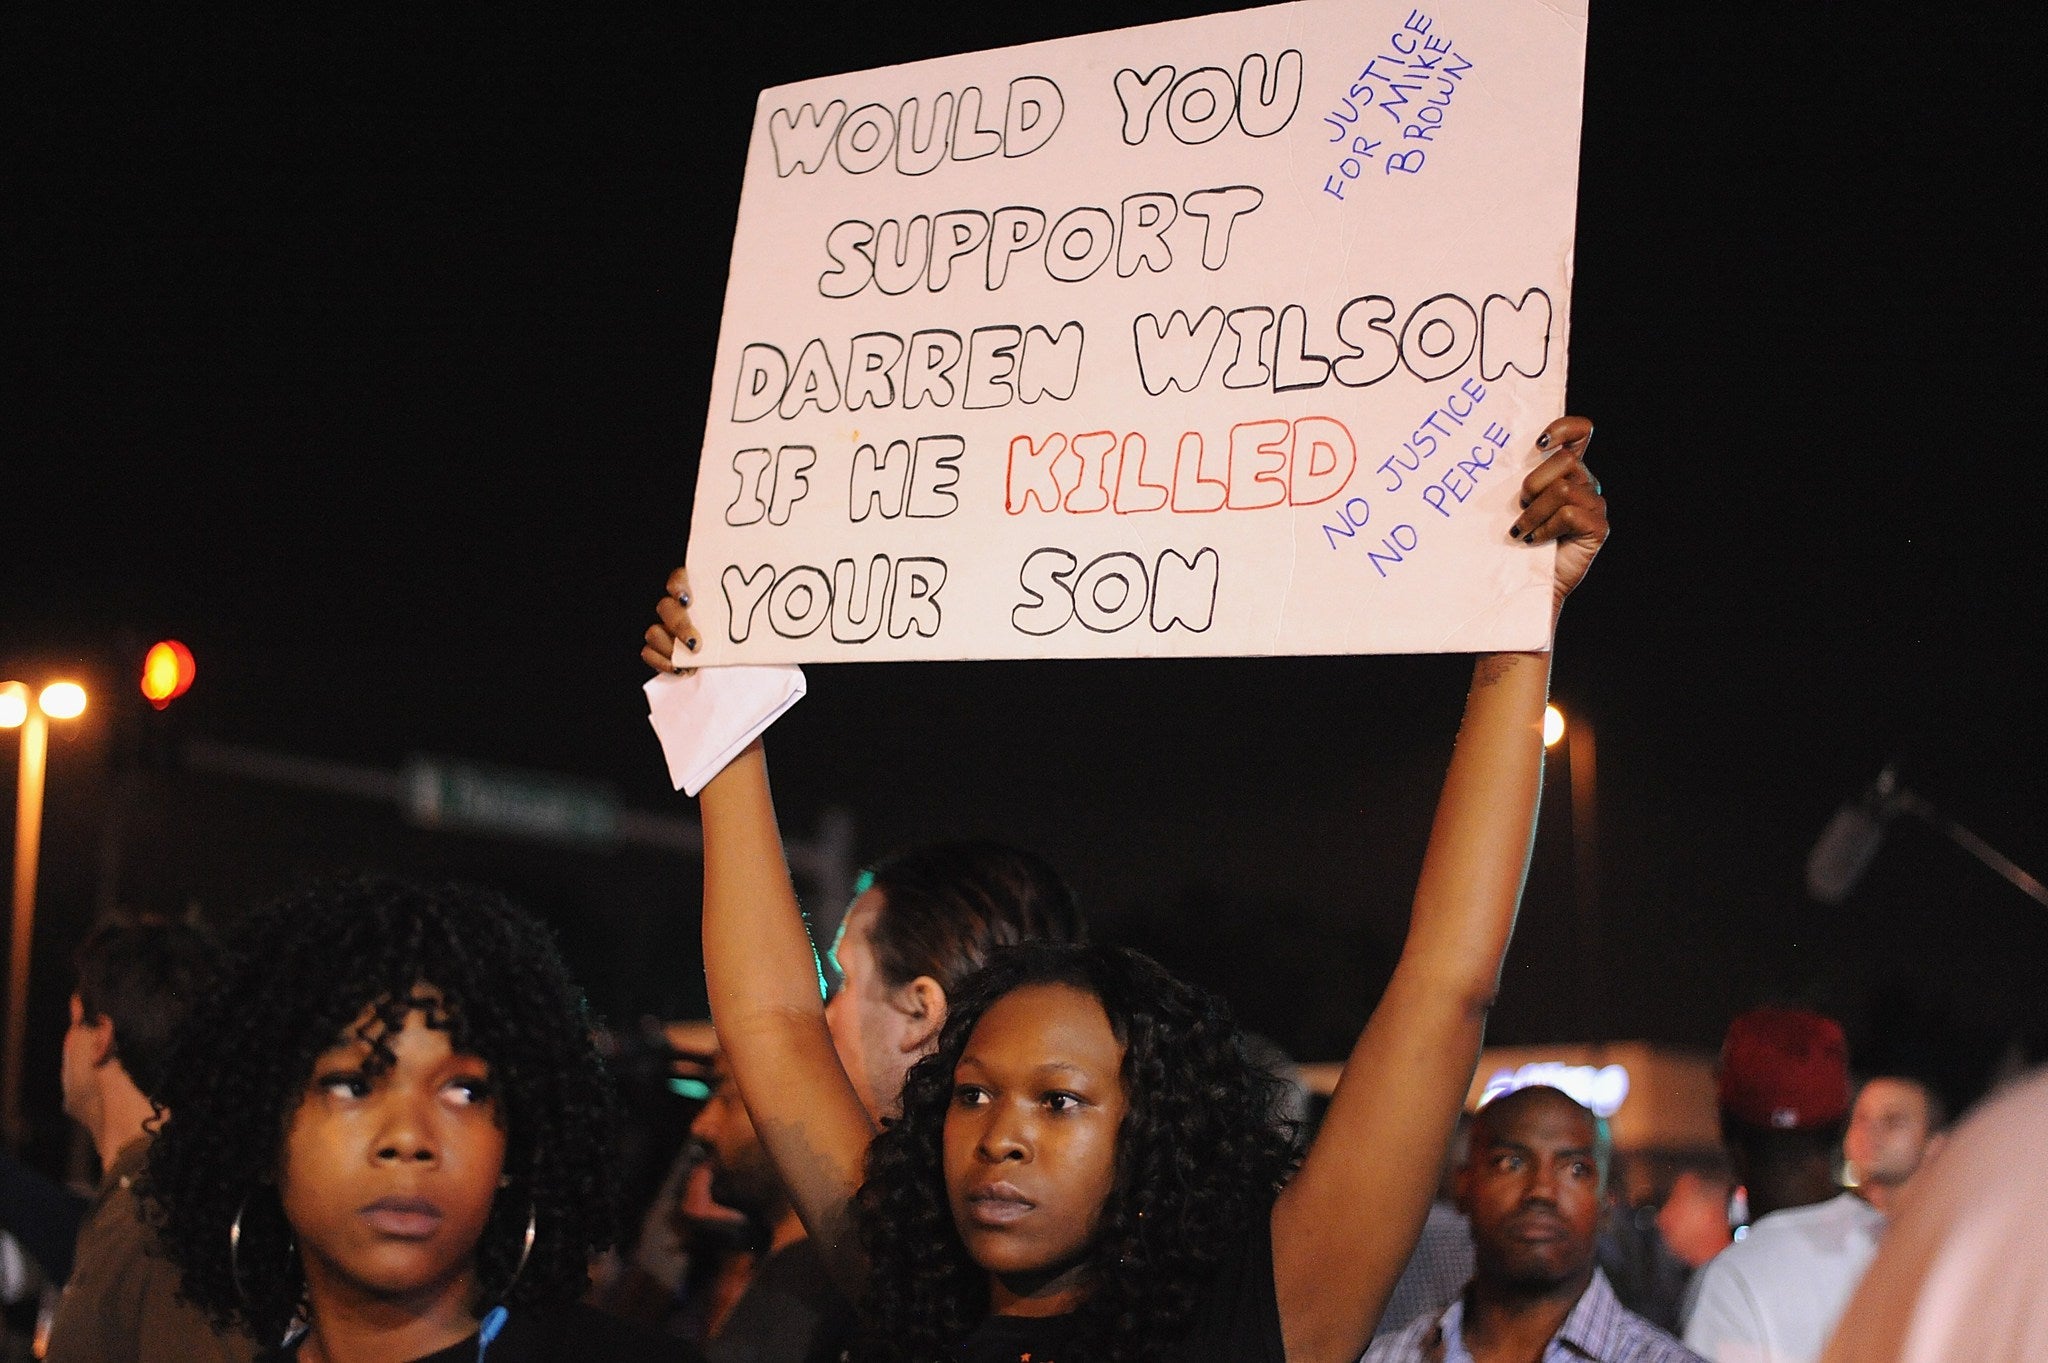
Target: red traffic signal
166,673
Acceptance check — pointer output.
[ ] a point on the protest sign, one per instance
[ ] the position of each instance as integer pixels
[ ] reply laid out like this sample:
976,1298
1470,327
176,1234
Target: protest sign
1225,336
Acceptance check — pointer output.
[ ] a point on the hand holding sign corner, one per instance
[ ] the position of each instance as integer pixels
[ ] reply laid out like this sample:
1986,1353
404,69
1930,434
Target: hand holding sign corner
672,636
1562,503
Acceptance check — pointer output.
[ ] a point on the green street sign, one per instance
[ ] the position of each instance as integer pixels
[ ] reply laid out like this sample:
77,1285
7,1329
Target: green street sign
464,797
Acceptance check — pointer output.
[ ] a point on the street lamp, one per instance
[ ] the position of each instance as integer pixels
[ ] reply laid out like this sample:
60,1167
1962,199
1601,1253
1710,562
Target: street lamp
31,715
1581,762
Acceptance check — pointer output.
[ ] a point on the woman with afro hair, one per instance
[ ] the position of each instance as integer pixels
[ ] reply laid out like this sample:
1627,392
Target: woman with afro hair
1087,1169
390,1136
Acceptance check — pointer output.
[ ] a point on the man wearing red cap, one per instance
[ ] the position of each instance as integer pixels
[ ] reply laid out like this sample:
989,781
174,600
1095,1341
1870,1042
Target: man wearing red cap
1774,1295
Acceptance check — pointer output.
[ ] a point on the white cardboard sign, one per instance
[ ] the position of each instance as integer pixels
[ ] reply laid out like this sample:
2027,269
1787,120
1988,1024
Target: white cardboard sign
1231,335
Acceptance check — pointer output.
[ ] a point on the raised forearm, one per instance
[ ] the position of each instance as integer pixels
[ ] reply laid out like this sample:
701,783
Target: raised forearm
1383,1137
758,959
761,975
1478,854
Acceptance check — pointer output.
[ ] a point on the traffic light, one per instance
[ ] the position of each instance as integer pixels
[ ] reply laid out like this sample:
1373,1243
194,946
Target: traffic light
166,672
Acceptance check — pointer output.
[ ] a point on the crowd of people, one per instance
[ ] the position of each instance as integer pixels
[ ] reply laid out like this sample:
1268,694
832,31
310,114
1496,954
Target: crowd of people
376,1127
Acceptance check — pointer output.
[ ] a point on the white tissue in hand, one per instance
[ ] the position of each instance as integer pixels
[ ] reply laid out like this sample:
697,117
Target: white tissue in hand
706,719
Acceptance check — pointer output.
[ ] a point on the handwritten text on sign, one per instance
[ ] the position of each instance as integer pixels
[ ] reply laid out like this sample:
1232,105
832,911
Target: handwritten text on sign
1224,336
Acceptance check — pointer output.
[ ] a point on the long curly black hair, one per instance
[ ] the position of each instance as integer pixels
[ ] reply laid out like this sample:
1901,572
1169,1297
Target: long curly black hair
298,976
1200,1154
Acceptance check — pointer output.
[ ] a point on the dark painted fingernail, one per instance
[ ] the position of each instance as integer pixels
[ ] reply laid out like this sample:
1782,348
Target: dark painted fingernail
1526,501
1543,441
1514,532
1529,538
684,600
691,643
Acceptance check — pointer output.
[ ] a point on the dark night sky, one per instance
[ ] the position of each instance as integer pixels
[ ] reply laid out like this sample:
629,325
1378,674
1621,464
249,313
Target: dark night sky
369,357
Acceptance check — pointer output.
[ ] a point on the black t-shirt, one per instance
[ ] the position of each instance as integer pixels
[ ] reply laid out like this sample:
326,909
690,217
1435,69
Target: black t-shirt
574,1334
1237,1321
790,1313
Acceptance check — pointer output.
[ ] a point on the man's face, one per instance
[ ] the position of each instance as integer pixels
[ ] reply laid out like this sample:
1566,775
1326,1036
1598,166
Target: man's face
81,1050
1694,1218
72,1071
1531,1186
741,1176
871,1027
1888,1132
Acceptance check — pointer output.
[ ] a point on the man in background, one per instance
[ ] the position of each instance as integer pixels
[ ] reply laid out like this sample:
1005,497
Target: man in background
789,1311
135,984
1533,1186
1650,1253
1693,1220
1963,1272
1775,1294
1897,1122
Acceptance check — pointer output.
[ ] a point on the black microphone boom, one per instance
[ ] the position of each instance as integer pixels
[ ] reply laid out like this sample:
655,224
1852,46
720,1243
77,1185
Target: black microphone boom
1847,845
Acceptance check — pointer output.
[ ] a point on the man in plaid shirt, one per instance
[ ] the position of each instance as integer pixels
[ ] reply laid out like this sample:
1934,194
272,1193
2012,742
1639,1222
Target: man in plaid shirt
1532,1186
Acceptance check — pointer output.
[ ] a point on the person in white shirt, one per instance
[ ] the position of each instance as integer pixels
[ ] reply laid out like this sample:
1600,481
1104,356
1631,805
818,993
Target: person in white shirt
1775,1294
1963,1270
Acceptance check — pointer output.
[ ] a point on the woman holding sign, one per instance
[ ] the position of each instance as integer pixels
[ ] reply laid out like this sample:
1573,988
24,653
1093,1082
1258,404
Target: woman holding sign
1086,1169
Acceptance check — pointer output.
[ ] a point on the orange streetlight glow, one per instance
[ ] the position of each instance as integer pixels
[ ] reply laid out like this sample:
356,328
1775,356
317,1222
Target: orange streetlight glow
62,700
58,700
13,705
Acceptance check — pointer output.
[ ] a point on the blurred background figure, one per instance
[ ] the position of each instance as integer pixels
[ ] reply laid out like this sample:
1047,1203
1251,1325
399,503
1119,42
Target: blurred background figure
136,982
786,1309
39,1220
23,1291
1963,1272
1774,1295
1693,1222
721,1258
667,1274
1896,1125
1650,1272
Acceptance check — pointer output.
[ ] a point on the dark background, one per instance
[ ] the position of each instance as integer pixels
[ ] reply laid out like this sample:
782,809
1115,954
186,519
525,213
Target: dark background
368,355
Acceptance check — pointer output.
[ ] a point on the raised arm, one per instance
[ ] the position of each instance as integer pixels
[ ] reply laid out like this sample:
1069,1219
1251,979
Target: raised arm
1344,1227
762,975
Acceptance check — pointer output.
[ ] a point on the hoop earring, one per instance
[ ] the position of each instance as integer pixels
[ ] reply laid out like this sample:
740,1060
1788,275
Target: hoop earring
525,1250
235,1249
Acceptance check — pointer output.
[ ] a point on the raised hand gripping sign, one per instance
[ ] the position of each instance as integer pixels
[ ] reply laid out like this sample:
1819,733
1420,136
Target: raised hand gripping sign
1231,335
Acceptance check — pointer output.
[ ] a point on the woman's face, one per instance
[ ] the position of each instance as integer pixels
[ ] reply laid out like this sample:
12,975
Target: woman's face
1030,1142
388,1178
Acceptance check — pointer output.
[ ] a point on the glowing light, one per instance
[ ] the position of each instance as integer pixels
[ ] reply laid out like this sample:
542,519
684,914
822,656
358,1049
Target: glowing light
166,673
1603,1090
690,1088
62,700
13,705
1553,725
